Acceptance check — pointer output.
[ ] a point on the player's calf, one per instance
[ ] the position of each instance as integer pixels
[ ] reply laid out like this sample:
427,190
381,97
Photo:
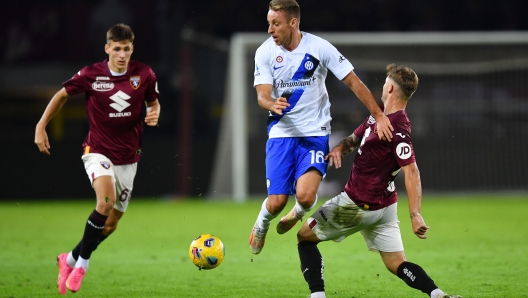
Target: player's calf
312,266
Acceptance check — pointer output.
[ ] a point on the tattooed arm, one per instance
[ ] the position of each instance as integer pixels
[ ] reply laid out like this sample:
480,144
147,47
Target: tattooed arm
346,146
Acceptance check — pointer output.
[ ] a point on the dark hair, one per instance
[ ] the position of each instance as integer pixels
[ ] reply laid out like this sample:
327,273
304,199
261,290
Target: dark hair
405,77
119,32
290,7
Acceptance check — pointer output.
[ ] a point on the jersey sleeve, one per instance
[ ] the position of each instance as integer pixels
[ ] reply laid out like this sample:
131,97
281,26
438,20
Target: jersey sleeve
402,145
360,130
335,61
78,83
263,73
152,92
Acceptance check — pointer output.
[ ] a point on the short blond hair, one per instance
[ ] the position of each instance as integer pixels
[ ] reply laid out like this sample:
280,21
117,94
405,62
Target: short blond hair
290,7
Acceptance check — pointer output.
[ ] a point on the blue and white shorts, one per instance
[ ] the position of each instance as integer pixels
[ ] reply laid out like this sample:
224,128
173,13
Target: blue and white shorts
287,159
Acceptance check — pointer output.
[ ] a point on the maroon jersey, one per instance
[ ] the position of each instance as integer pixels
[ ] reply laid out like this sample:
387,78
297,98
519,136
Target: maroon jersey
113,105
377,162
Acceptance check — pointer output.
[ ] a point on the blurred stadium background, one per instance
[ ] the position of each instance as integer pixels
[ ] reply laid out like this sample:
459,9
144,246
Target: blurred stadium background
469,115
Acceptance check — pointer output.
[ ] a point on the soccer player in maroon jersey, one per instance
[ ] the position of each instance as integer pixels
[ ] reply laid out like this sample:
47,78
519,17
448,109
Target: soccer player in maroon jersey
368,203
115,90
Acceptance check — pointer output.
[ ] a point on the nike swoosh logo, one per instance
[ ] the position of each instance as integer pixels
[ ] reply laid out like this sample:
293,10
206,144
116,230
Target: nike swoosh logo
275,68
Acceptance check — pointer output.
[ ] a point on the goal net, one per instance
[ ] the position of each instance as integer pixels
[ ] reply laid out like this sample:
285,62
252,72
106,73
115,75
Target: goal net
469,114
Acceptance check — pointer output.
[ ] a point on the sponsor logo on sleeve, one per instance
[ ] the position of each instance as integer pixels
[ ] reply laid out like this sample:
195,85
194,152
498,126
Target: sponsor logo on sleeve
105,164
371,120
403,150
342,58
257,72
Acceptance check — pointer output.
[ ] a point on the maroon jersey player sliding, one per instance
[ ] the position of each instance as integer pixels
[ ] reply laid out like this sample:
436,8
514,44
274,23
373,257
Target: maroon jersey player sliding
368,203
115,90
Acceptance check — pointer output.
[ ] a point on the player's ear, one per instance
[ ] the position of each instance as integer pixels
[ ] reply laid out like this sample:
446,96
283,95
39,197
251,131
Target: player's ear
390,88
107,48
294,22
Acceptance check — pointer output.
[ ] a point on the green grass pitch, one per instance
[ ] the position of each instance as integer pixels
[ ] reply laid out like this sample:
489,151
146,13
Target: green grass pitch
477,247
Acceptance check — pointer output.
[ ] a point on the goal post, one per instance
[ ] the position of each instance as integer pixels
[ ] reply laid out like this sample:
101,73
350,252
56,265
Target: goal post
446,54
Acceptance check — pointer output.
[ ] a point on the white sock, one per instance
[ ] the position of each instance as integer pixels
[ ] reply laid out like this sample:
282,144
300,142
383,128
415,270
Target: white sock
436,292
318,295
264,218
82,263
70,260
300,211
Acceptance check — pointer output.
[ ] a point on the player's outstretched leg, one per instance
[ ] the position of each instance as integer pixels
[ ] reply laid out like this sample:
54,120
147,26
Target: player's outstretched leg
415,277
312,267
260,229
288,221
64,272
92,231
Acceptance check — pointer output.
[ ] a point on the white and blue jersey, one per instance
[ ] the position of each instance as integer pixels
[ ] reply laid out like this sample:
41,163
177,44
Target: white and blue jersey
298,139
299,76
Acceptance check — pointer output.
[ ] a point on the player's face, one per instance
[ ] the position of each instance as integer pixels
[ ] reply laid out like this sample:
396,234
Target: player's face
119,53
280,28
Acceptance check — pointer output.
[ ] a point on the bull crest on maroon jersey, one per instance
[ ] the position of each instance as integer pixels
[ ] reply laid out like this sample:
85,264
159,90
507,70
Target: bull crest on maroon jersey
135,81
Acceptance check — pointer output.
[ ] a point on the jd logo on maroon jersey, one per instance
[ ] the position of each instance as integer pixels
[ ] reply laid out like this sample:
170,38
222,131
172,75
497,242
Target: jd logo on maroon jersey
403,150
135,81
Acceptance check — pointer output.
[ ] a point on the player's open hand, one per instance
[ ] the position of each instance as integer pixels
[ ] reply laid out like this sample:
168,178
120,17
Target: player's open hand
41,139
152,118
335,156
384,128
418,225
280,104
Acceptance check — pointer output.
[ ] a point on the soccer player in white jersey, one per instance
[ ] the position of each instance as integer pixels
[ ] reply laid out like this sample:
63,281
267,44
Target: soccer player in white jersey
290,72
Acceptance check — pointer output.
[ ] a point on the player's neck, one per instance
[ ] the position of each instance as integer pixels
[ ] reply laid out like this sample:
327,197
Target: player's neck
393,107
294,42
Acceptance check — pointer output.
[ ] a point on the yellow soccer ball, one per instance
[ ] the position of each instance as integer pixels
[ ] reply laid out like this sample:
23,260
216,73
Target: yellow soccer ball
207,251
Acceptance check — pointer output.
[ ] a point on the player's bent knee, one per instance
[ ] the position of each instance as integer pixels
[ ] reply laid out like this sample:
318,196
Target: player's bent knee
393,260
104,207
306,234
